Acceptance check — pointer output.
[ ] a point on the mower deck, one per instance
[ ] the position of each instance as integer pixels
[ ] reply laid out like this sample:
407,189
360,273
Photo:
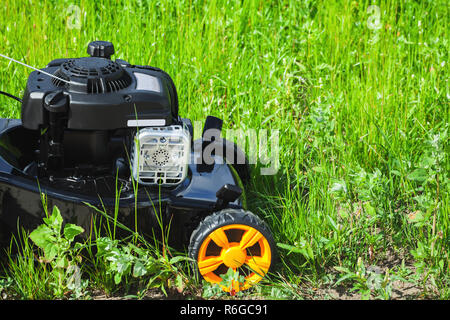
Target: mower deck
21,201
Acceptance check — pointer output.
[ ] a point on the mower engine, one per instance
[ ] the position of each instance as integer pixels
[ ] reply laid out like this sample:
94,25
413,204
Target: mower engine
96,116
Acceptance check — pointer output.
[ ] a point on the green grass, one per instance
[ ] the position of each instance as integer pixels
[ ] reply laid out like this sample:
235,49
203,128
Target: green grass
362,114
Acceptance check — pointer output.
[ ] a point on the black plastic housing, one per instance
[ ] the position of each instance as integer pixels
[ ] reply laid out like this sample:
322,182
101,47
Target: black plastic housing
98,100
21,201
85,111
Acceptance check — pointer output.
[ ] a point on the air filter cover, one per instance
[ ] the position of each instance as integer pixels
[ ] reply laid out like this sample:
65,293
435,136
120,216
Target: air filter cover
161,155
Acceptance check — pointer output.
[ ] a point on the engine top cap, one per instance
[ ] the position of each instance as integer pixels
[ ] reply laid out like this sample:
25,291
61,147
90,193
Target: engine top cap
100,49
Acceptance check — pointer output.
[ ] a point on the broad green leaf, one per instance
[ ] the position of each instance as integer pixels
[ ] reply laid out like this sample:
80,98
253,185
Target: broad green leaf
342,269
427,161
179,282
44,238
123,264
289,247
318,169
303,248
104,245
50,251
117,278
369,209
344,277
339,187
178,259
71,231
139,269
42,235
55,220
416,217
396,172
62,262
419,175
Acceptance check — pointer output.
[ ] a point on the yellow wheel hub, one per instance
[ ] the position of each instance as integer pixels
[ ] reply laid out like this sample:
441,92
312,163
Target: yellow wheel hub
235,246
234,257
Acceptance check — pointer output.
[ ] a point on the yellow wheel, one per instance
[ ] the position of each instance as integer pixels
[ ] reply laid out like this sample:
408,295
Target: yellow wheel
235,239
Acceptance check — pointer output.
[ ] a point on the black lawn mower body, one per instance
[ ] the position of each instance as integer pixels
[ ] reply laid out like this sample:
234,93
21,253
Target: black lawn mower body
87,140
184,205
98,133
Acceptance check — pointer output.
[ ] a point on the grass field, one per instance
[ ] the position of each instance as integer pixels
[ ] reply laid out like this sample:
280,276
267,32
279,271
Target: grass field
359,93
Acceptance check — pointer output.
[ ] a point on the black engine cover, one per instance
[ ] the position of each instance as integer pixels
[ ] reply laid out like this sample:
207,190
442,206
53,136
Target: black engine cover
85,111
101,94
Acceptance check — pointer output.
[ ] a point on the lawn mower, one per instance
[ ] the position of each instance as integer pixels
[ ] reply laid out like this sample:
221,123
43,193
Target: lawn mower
101,133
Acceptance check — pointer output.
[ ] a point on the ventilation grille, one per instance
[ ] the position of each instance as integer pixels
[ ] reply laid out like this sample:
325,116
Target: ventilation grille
96,86
162,155
102,78
57,82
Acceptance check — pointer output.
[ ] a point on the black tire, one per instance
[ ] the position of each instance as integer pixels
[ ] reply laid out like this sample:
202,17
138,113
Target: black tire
236,222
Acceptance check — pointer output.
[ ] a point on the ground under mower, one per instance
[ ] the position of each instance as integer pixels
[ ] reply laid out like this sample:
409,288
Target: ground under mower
107,133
